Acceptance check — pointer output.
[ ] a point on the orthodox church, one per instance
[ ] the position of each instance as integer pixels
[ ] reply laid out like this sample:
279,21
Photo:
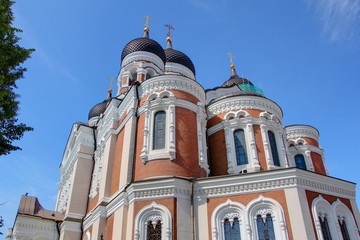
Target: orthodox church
162,158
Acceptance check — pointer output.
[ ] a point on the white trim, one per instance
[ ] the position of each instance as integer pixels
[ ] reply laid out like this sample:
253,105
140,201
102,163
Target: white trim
278,131
153,211
201,135
322,208
171,68
263,206
272,180
342,211
229,128
229,210
163,101
137,59
172,82
298,131
244,102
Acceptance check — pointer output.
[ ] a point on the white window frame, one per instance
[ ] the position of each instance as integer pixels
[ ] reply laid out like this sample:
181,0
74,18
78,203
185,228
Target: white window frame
230,210
153,211
232,122
342,211
271,123
304,149
163,101
321,207
263,206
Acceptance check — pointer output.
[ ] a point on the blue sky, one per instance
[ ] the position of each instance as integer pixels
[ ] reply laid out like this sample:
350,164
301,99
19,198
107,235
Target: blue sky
304,54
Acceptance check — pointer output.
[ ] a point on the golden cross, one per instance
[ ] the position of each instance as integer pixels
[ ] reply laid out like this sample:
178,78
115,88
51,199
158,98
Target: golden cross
231,58
170,27
147,21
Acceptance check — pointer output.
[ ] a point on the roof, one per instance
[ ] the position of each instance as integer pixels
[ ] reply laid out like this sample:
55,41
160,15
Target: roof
31,206
176,56
144,44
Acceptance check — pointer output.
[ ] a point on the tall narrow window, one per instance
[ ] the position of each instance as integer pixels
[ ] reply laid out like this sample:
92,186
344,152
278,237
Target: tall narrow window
343,228
153,230
300,161
274,151
240,147
159,130
325,228
265,227
232,232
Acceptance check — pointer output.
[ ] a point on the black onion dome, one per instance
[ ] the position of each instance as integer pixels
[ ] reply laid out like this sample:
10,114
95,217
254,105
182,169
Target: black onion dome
143,44
236,80
98,109
176,56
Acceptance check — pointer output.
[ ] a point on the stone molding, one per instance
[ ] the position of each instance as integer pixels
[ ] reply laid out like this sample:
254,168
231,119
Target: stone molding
223,187
299,131
172,82
242,103
277,179
171,67
141,56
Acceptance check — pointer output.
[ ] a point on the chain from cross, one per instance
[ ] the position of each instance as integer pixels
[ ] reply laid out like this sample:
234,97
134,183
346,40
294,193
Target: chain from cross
169,27
148,19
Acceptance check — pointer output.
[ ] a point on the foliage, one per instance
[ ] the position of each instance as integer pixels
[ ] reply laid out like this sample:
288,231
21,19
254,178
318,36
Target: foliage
11,56
1,224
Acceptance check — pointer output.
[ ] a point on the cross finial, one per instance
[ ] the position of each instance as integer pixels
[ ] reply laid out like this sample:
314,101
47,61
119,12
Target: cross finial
146,29
111,81
169,27
232,66
147,21
231,56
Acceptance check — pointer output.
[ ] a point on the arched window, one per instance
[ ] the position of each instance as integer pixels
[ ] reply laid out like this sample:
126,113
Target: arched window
300,161
159,130
153,230
343,229
267,219
240,147
228,221
325,227
232,230
265,227
274,149
153,222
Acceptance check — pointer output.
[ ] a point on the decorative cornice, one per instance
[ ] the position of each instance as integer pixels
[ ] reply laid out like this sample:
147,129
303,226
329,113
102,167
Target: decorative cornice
272,180
298,131
172,82
146,57
178,68
242,103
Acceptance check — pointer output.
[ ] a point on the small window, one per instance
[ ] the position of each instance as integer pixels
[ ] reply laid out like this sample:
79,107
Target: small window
265,227
300,161
325,228
159,130
240,147
232,231
343,228
153,230
274,151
